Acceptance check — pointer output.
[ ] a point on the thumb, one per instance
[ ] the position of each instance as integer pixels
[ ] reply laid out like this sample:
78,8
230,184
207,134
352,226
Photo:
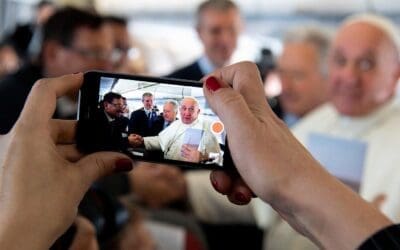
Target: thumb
100,164
229,105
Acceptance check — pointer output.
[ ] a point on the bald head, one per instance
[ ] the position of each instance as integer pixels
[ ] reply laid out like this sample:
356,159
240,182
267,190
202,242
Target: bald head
189,110
363,66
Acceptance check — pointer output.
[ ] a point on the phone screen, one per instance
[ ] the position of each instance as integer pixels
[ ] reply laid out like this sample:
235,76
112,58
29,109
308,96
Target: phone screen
151,119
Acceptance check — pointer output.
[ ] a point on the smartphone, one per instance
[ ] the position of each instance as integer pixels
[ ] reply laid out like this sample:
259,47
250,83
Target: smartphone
152,119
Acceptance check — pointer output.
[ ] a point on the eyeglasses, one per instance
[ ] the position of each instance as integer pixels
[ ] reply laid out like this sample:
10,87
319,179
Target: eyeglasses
118,105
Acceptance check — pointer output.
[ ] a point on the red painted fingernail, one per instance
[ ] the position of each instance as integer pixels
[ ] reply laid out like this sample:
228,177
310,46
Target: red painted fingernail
240,197
123,165
212,84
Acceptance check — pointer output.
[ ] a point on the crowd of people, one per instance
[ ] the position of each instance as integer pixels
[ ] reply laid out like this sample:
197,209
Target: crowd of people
338,90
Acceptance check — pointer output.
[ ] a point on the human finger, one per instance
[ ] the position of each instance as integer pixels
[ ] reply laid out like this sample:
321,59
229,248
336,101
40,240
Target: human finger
223,96
221,181
69,152
185,150
85,236
234,112
240,193
63,131
41,102
245,78
100,164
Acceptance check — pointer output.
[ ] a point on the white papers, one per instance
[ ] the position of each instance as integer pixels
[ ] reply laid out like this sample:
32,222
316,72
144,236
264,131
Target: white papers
343,158
193,136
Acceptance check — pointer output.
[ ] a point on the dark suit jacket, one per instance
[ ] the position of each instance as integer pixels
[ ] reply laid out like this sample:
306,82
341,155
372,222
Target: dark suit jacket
98,134
158,124
139,123
190,72
14,90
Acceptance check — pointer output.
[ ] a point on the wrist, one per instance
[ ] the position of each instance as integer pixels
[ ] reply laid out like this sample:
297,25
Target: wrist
325,210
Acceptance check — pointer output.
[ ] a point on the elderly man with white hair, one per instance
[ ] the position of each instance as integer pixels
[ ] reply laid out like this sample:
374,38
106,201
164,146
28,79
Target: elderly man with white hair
303,72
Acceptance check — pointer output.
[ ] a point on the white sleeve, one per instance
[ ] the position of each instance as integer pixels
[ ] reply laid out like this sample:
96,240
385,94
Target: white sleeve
151,143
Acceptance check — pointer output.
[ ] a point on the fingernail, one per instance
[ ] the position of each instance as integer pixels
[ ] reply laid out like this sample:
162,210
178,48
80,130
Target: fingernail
77,72
123,165
212,84
215,184
240,197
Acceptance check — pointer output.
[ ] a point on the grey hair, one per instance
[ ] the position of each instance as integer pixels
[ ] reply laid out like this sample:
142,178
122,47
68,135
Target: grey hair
146,94
196,102
221,5
382,23
173,103
317,36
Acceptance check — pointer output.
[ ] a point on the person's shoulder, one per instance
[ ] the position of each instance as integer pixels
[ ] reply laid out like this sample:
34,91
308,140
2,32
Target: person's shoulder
191,71
99,115
20,82
159,118
322,112
174,125
27,75
124,119
138,111
389,119
206,124
316,119
14,89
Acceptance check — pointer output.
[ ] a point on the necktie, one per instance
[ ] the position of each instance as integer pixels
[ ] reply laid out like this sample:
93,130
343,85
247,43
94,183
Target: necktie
149,121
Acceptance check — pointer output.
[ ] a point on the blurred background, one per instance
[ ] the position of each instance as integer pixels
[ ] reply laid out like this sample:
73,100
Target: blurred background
163,31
